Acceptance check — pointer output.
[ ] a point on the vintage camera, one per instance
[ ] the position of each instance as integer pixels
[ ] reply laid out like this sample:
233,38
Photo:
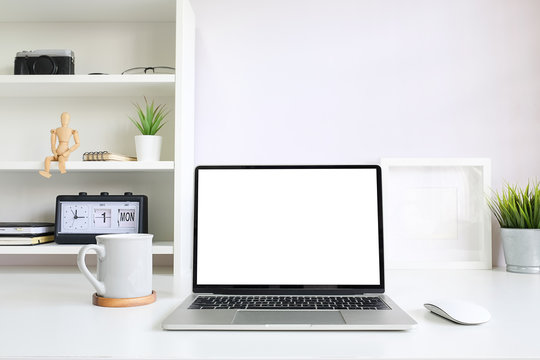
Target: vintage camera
45,62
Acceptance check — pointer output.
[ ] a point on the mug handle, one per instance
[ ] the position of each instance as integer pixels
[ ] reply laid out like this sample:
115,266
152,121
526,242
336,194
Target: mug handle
100,251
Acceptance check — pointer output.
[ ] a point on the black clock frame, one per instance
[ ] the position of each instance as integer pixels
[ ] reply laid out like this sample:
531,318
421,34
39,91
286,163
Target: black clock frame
72,238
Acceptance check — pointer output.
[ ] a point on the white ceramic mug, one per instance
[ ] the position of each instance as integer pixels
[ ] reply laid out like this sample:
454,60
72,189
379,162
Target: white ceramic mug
124,265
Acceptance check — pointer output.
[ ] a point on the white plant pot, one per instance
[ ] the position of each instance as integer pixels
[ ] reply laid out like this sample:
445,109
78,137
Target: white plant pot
148,147
521,250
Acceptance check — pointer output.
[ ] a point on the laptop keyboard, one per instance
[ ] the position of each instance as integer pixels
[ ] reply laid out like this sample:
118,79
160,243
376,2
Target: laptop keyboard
290,302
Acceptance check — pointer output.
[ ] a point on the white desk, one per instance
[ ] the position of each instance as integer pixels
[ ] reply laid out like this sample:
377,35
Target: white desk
47,312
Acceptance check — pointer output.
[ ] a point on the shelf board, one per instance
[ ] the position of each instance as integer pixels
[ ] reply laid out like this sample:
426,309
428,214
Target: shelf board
86,85
88,11
92,166
158,248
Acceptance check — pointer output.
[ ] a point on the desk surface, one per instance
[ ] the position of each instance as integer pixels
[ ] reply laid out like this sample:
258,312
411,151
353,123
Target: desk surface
47,311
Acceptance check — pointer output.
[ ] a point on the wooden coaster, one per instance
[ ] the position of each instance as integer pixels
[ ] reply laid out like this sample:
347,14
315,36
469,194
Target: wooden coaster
125,302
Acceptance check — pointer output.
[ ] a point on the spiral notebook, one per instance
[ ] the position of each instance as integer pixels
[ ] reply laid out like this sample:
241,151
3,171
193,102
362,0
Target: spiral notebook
106,156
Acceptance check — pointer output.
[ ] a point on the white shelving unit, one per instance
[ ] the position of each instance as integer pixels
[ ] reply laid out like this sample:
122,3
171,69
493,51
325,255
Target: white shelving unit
81,166
106,37
86,85
159,248
100,11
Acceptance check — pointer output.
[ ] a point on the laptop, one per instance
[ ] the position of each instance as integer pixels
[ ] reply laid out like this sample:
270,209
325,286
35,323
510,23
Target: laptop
288,248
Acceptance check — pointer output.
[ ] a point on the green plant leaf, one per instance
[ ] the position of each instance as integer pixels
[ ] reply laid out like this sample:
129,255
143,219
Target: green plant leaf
160,114
150,118
516,207
536,207
137,125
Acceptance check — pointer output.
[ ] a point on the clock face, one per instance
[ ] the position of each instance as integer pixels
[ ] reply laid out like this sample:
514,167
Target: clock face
99,217
75,217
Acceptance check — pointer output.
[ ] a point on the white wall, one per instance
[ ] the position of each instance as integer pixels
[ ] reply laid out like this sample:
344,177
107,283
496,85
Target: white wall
351,81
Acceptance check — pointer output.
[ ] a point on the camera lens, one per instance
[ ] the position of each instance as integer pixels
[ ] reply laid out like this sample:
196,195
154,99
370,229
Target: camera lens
44,65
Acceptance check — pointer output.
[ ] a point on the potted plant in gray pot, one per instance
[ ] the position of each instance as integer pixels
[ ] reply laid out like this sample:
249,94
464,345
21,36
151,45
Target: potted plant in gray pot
518,212
150,121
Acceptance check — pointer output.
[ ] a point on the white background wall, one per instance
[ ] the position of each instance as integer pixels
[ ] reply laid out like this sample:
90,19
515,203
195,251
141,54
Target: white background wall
351,81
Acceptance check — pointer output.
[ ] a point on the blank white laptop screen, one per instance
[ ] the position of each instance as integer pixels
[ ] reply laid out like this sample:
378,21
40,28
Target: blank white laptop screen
283,226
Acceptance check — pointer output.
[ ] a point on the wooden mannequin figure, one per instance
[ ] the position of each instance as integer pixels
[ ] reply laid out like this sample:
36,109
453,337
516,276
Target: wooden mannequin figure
62,152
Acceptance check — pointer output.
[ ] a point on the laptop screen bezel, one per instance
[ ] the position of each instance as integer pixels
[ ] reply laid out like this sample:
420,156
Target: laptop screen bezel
262,289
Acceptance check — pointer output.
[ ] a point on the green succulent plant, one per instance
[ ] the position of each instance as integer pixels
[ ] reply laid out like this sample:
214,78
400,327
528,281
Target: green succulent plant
150,118
516,207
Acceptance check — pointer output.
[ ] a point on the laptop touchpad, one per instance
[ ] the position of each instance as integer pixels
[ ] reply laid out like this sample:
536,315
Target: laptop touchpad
288,317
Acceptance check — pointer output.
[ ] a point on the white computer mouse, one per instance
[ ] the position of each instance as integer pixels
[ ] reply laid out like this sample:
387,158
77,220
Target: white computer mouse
461,312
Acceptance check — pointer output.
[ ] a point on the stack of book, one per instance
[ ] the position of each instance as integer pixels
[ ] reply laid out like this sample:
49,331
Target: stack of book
29,233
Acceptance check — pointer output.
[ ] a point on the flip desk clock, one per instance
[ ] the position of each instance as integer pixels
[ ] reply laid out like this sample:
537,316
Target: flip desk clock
79,218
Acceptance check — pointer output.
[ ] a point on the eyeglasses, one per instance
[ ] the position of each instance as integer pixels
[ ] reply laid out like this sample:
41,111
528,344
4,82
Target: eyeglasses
150,70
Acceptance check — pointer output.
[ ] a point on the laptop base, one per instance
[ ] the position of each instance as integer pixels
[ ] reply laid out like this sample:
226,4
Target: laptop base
183,318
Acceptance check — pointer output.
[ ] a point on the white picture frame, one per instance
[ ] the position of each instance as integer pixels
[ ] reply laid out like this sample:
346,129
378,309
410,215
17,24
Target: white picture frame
436,214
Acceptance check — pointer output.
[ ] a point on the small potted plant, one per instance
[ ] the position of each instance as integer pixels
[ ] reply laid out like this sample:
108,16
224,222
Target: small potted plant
518,212
150,121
